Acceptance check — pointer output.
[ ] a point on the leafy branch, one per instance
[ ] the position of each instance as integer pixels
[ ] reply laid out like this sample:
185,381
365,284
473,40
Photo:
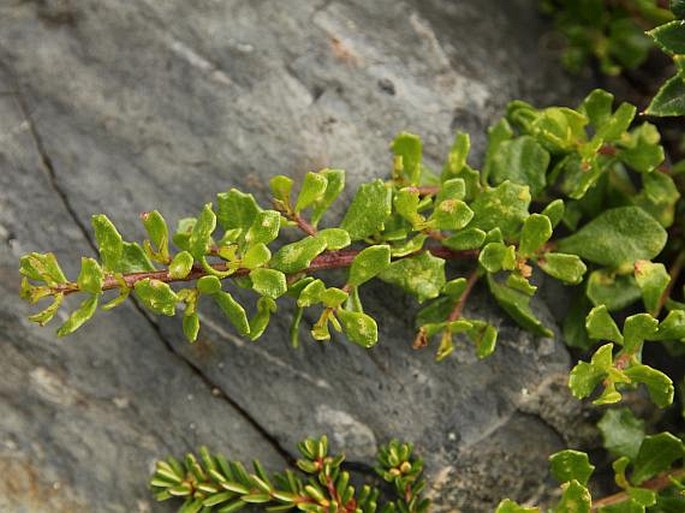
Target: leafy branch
212,483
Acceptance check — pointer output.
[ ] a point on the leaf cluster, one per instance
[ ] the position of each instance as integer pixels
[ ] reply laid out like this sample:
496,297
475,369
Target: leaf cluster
211,483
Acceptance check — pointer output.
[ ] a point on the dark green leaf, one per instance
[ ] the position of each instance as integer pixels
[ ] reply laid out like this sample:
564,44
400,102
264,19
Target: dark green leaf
575,334
368,263
368,211
268,282
504,207
79,316
517,305
617,237
234,311
658,197
422,275
91,277
656,454
597,107
157,296
569,464
670,99
359,328
622,432
641,149
614,291
522,161
670,36
672,327
109,242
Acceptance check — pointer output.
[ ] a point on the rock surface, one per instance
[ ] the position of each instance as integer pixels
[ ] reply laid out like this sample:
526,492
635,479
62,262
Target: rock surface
120,107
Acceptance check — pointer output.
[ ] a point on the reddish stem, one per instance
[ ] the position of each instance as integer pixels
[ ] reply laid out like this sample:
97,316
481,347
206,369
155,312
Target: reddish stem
656,484
459,307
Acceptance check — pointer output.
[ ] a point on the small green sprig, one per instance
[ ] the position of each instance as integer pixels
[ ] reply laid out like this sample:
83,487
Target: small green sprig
610,32
211,483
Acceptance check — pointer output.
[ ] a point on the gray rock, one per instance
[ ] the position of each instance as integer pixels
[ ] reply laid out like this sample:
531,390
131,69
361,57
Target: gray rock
120,107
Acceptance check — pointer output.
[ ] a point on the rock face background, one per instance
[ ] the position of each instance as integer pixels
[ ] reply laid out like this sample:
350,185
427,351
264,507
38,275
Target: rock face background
120,107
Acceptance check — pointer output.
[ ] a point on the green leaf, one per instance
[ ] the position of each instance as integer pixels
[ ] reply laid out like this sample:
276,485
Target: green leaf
368,263
517,305
672,327
42,267
617,237
504,207
678,8
191,326
641,149
658,384
522,161
622,432
616,125
568,465
656,454
233,310
601,326
456,158
597,107
575,498
368,211
470,238
518,282
573,328
298,255
157,296
559,128
181,265
201,236
158,231
256,256
359,328
281,186
265,307
91,277
333,297
264,229
46,315
209,285
451,214
554,211
537,229
109,242
422,275
567,268
79,316
335,184
670,99
313,188
652,279
406,202
407,150
585,377
134,259
670,37
627,506
455,188
485,338
495,256
509,506
236,209
614,291
335,238
311,294
658,197
636,329
268,282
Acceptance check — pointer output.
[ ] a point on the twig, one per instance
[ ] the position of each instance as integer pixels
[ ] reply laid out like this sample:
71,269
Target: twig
656,484
459,307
